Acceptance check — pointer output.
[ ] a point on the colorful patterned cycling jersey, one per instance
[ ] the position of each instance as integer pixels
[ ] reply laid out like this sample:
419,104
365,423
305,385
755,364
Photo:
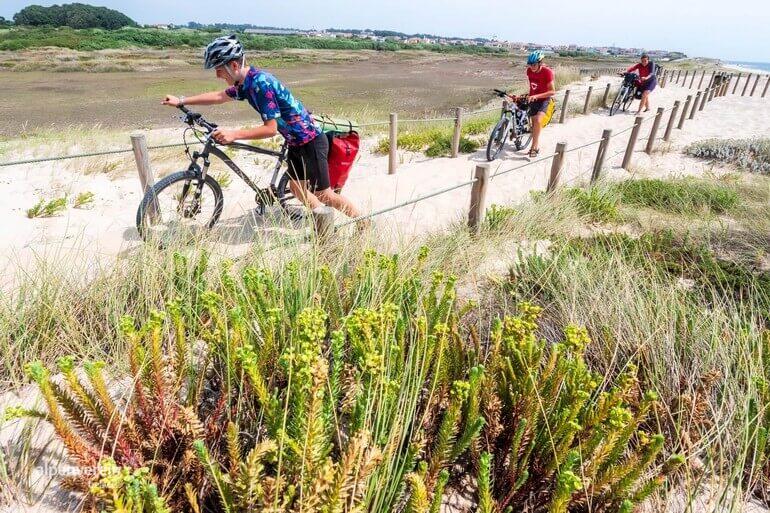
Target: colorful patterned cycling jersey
273,100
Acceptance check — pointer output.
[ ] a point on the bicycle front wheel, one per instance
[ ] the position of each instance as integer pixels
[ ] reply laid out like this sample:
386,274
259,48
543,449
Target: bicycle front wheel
180,206
497,139
630,93
618,101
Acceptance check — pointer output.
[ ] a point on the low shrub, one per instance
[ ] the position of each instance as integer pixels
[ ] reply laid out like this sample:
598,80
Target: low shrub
84,200
49,208
497,216
751,155
556,443
597,204
240,400
481,125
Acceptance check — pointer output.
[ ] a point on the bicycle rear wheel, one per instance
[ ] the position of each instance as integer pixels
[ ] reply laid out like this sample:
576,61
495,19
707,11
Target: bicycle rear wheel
497,138
172,209
291,205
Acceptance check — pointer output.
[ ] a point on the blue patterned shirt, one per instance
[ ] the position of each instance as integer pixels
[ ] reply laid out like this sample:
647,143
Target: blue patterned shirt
273,100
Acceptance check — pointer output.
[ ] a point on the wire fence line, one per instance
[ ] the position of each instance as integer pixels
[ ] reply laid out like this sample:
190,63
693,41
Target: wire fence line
532,162
586,145
406,203
83,155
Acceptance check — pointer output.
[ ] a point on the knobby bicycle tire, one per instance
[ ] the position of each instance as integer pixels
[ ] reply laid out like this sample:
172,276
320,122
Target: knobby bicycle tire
166,182
497,136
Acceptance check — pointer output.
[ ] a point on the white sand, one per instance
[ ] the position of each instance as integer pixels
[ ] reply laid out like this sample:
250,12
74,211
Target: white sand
84,238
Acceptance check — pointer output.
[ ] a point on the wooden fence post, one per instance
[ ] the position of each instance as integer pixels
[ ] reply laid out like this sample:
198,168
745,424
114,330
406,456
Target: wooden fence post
756,82
737,81
588,99
684,82
556,165
684,112
692,80
711,93
601,154
458,132
563,115
711,80
478,198
323,220
663,78
671,121
146,178
654,131
607,95
703,75
703,99
393,160
767,84
745,87
678,74
632,142
695,105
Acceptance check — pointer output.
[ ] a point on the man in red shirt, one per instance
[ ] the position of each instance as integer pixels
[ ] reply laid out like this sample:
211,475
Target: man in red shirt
648,80
541,91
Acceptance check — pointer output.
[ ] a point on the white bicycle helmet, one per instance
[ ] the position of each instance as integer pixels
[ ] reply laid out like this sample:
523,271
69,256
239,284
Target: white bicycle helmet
221,51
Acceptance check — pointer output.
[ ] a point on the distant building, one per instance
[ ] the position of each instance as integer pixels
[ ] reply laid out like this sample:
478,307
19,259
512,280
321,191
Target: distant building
273,32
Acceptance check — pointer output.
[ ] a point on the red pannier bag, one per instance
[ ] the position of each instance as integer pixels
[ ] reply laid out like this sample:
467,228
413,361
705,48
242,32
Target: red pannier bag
343,148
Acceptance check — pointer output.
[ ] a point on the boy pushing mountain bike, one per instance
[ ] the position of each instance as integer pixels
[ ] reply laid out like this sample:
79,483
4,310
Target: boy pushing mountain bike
541,92
281,113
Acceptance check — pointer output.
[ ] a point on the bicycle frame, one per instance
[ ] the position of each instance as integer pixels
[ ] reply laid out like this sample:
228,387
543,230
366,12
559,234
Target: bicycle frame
210,148
512,108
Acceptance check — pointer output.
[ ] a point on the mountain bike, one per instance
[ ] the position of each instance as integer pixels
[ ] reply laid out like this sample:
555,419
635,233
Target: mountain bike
626,93
192,199
514,125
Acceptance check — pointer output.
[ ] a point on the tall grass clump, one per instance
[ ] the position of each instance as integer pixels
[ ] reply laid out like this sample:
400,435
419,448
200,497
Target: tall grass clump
433,142
688,321
681,196
564,76
751,155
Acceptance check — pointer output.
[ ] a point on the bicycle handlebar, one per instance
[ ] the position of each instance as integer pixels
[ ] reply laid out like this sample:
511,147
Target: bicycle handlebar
192,118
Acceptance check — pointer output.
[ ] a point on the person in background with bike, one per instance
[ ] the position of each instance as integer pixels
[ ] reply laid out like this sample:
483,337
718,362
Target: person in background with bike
648,80
281,113
541,92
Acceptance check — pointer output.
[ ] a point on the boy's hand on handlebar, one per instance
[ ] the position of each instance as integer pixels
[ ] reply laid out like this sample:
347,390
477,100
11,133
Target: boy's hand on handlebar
224,136
172,100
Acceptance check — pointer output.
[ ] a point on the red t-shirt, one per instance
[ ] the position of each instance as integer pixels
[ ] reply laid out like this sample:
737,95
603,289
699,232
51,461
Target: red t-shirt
538,81
644,71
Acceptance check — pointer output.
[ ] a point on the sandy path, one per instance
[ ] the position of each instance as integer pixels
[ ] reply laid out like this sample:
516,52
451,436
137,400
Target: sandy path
97,235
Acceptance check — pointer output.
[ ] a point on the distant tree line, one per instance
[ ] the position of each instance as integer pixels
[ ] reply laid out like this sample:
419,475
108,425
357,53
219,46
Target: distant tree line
78,16
4,22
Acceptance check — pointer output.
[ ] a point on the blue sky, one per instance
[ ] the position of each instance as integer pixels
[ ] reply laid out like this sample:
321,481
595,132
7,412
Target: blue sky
734,30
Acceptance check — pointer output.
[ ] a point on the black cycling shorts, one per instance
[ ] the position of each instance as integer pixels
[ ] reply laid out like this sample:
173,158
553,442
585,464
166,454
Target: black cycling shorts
311,162
538,106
